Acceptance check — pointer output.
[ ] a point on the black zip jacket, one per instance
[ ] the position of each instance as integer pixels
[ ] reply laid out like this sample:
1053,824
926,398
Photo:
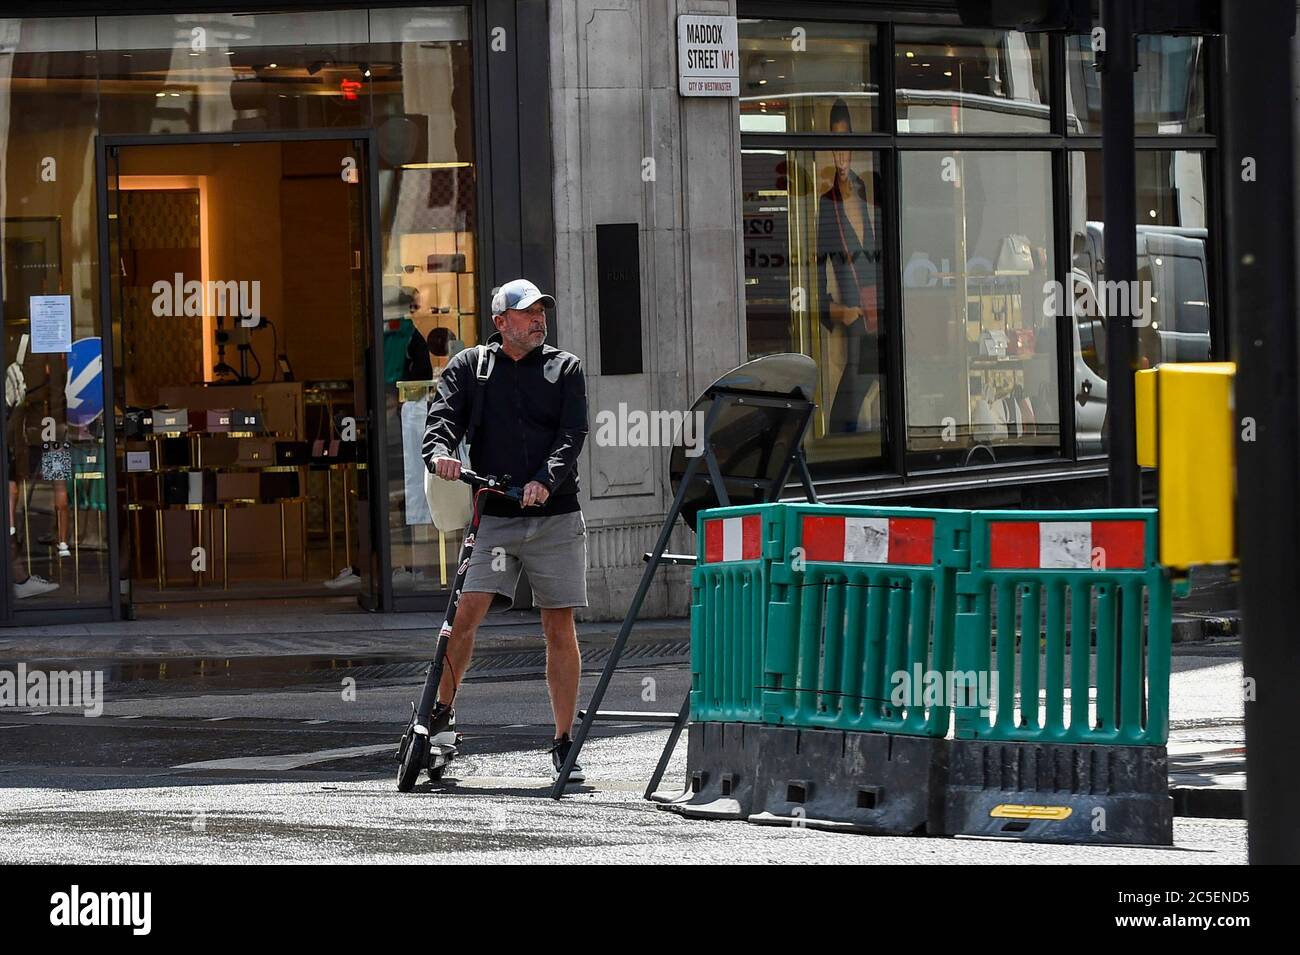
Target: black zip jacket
533,426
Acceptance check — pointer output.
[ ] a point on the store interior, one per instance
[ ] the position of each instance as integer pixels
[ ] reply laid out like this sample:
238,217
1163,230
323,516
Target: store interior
239,322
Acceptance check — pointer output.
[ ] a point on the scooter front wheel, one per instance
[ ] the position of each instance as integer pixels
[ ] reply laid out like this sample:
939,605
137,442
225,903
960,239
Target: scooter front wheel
413,758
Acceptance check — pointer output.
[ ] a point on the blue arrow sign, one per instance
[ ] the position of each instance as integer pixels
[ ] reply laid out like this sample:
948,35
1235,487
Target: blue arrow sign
85,382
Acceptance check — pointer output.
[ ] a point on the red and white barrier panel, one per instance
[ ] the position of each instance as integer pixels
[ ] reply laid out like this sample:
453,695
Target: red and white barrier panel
1067,545
869,540
733,538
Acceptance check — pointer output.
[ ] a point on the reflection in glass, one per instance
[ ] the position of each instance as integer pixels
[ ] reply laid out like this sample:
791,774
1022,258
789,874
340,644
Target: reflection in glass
814,284
428,225
1172,259
789,79
222,72
849,246
970,81
1169,86
54,422
979,339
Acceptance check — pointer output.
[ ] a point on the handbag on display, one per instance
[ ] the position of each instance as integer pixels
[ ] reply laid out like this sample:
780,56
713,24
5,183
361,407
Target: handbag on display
189,487
290,453
993,344
1020,341
170,419
332,451
244,420
137,422
215,420
1015,255
325,452
255,452
868,299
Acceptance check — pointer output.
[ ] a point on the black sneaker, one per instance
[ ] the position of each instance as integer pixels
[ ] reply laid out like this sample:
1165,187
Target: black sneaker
442,727
559,753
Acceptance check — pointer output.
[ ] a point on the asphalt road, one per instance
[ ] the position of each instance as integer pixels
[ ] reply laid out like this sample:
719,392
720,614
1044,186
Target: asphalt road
179,772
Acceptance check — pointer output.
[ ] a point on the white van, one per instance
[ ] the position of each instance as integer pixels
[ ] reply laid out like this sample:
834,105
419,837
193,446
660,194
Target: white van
1173,260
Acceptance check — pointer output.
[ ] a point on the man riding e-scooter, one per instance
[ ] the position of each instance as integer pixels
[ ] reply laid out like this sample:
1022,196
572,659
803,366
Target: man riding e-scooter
526,427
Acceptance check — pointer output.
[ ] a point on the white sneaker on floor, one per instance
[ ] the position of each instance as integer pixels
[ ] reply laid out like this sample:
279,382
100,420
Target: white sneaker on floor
64,549
405,577
34,586
346,578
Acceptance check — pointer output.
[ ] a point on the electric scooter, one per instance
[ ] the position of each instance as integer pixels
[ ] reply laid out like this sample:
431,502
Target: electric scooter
417,750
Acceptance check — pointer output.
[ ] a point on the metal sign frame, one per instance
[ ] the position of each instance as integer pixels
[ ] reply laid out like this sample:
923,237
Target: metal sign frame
722,398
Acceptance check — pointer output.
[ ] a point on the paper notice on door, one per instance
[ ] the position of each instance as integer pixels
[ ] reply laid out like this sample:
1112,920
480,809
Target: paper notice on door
51,324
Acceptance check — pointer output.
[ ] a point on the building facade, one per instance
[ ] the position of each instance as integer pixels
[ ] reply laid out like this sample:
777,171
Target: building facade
238,243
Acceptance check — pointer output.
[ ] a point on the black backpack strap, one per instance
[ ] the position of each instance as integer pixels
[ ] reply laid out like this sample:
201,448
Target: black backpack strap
484,364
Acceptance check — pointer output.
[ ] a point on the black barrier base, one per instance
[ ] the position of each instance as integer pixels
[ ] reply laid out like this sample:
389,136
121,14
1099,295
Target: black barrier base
1059,792
885,784
720,767
873,783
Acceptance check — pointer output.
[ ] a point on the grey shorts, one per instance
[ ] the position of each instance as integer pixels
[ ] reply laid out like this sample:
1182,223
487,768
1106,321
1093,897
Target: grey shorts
553,550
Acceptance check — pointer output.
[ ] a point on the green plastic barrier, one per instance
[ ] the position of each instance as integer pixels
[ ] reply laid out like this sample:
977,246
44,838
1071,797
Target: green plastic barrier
1040,584
736,548
861,624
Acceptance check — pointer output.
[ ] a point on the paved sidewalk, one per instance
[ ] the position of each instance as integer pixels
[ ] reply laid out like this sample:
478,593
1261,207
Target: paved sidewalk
293,630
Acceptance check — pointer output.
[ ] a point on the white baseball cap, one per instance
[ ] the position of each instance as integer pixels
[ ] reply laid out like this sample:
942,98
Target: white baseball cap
519,293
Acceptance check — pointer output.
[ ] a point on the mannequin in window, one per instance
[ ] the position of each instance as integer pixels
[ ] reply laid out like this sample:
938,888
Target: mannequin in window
849,276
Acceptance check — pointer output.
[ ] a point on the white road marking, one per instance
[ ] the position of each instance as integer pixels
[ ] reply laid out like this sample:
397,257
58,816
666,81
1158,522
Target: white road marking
216,719
289,760
313,722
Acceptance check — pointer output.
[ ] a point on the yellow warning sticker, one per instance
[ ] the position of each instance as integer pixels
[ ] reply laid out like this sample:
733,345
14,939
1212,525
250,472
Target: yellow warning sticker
1011,811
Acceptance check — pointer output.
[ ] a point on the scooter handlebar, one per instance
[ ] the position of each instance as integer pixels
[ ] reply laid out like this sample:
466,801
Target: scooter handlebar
490,483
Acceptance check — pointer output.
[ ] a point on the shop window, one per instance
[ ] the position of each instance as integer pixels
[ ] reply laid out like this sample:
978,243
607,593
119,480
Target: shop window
1171,303
979,334
54,404
1169,86
428,201
224,72
792,71
405,73
814,283
970,81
